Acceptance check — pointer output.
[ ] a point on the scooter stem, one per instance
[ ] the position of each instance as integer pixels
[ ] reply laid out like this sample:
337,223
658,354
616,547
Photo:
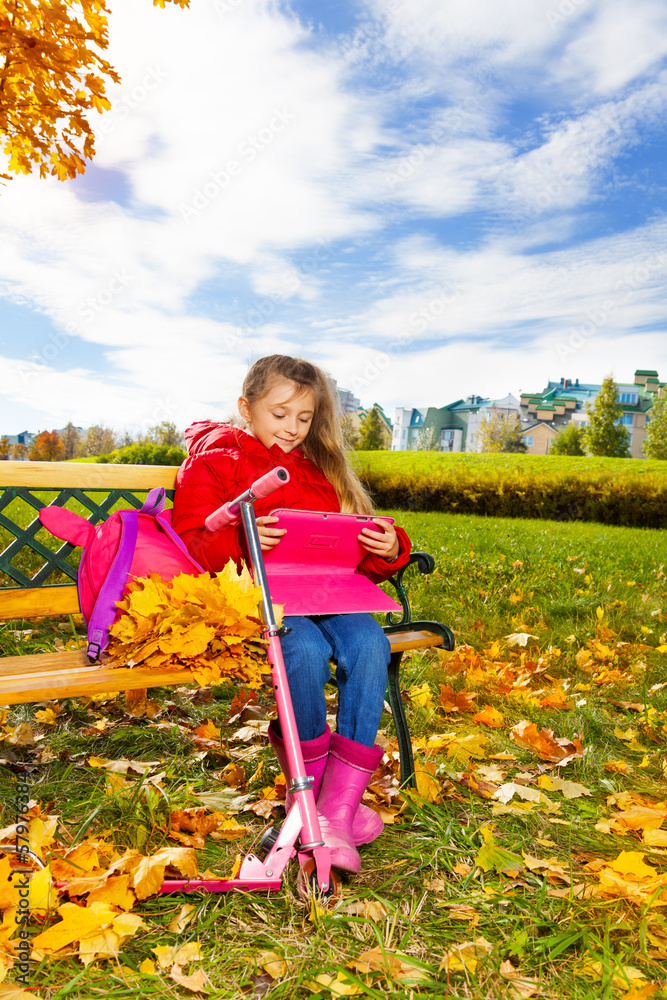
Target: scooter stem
301,784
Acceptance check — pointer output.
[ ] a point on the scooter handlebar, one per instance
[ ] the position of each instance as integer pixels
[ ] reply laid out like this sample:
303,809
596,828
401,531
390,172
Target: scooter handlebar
271,481
262,487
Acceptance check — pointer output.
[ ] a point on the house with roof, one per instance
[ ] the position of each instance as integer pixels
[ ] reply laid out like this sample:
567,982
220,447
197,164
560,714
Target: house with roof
544,414
455,427
23,437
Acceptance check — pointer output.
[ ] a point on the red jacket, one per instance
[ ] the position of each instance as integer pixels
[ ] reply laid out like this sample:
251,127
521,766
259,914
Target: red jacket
224,460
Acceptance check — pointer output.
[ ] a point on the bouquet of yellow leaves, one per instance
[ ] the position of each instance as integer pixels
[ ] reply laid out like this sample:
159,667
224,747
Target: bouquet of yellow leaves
208,626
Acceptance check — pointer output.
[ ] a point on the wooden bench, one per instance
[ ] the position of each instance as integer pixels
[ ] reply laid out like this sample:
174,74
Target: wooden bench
101,489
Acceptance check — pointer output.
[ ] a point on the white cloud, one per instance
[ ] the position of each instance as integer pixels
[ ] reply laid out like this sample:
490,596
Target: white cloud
593,46
502,302
616,47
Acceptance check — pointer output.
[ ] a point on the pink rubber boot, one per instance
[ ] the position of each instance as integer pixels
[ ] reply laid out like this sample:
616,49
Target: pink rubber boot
367,824
348,771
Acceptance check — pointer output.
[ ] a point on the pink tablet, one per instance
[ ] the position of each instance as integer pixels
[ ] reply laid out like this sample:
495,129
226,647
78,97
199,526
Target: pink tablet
313,569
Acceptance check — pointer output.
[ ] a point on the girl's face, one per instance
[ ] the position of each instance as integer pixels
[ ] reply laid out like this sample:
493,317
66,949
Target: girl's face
280,417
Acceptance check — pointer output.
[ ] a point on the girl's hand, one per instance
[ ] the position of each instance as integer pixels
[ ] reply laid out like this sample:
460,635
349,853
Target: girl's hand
268,537
385,543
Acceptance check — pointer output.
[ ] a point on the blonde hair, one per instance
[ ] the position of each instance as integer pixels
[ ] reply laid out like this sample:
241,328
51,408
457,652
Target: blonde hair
323,444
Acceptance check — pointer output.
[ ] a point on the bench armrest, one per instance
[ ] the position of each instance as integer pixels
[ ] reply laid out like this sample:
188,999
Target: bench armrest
426,564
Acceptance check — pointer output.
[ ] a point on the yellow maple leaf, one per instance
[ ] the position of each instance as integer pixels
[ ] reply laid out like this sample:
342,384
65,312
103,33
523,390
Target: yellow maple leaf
148,872
490,717
462,748
466,956
164,954
182,918
341,986
46,716
42,833
42,894
273,964
77,923
631,865
389,964
422,696
570,789
428,787
557,699
196,982
620,766
623,976
492,856
368,909
115,891
9,894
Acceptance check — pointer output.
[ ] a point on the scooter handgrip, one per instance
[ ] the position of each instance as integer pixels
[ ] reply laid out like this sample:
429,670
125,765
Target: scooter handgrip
270,482
221,517
262,487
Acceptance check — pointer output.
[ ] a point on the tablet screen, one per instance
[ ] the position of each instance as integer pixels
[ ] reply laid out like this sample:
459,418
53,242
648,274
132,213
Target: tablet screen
328,539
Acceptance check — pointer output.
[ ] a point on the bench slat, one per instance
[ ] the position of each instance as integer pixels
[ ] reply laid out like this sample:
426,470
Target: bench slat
46,676
401,641
86,475
38,602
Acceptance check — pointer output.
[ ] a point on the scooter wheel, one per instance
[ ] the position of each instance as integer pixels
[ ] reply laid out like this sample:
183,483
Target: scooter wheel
268,839
307,884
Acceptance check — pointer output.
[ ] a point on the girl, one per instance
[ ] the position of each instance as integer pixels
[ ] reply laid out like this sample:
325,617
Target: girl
289,411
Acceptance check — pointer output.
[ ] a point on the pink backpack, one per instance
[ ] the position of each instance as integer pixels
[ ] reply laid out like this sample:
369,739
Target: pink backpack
128,544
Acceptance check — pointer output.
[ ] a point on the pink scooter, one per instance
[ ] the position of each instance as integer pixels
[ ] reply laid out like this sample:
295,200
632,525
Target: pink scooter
302,822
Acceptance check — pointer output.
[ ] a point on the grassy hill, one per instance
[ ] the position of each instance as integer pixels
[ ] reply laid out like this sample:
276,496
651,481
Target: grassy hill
609,490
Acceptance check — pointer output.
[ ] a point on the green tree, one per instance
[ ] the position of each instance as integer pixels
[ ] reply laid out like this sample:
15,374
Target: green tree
426,439
569,441
603,435
501,432
349,431
164,434
655,444
372,432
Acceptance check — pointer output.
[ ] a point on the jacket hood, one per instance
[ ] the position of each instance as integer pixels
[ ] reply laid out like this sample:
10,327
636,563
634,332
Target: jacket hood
205,435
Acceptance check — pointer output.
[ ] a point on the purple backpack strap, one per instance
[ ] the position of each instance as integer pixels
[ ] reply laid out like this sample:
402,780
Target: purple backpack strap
155,505
105,609
154,502
177,540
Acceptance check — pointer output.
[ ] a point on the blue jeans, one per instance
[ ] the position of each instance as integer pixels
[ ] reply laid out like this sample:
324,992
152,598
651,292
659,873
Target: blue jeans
361,652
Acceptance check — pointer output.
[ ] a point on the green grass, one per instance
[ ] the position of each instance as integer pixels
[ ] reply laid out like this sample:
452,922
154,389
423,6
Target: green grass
430,463
492,578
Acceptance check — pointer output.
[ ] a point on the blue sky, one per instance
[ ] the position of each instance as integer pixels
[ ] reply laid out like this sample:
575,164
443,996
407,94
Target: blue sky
429,199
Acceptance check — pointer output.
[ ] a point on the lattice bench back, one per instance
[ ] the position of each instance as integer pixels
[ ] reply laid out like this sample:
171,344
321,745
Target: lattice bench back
89,489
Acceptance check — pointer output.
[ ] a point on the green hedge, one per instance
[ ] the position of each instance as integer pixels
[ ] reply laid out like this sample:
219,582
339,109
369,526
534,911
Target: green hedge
145,454
634,496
